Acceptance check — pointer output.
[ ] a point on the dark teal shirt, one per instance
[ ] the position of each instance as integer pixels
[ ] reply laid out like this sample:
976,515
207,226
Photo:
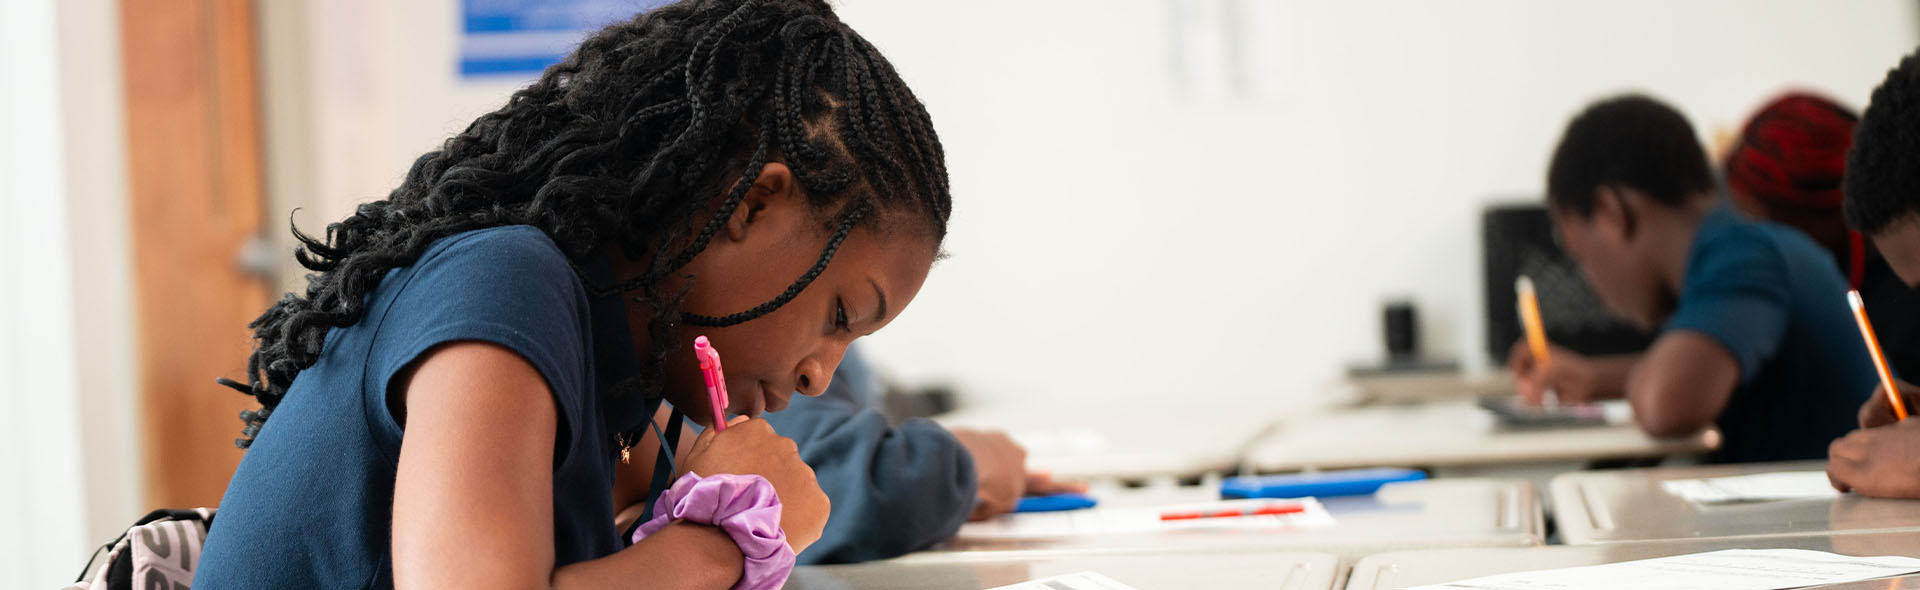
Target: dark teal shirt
1896,316
1776,301
311,503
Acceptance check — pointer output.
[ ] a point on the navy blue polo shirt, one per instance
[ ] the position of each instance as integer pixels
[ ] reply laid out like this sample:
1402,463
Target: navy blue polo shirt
311,503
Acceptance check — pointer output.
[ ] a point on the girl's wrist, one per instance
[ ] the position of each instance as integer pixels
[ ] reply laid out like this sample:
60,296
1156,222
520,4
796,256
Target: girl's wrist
688,554
744,508
712,550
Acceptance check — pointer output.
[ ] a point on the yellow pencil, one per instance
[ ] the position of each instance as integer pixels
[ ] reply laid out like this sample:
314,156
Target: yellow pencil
1529,304
1530,320
1873,349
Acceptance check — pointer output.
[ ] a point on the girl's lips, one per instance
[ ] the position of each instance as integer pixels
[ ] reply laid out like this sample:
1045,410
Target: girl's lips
766,401
774,403
757,403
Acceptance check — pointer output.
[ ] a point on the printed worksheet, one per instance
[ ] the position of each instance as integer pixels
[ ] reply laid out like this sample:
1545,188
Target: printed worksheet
1759,487
1076,581
1254,514
1734,569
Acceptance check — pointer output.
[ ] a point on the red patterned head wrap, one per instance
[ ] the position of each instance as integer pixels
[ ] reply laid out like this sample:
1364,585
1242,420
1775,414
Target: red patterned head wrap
1794,152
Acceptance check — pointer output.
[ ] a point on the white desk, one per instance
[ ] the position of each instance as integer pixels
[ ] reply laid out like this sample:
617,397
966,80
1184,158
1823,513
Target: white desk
1134,441
1435,566
1425,386
1288,571
1448,433
1435,513
1629,505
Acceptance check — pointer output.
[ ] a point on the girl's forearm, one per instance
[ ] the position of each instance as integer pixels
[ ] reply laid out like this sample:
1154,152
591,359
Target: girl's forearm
682,555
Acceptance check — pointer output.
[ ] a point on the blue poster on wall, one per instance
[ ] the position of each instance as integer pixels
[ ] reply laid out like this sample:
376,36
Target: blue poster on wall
523,37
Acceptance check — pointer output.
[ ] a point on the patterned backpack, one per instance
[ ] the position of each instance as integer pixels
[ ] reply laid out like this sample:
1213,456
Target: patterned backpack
159,552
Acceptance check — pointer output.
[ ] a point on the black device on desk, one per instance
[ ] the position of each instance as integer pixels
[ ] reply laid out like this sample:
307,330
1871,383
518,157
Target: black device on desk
1512,414
1518,240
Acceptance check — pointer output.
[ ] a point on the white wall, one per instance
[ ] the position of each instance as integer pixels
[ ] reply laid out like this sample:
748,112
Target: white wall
66,362
101,251
1156,242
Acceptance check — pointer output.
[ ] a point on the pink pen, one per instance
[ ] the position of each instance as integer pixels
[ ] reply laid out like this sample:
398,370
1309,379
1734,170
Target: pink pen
716,380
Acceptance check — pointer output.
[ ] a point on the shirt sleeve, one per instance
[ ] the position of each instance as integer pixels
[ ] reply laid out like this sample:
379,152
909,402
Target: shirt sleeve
1736,292
895,489
506,286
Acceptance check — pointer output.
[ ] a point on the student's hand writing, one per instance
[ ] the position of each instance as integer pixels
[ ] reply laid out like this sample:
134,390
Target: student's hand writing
1882,462
1878,411
1002,466
751,446
1569,374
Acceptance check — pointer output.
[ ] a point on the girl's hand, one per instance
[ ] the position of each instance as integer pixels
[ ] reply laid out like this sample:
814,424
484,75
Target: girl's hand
751,447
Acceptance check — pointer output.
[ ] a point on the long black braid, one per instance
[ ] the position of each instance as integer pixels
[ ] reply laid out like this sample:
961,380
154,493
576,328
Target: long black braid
648,136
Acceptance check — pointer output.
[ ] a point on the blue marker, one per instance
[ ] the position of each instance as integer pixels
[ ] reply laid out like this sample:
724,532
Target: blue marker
1348,482
1055,503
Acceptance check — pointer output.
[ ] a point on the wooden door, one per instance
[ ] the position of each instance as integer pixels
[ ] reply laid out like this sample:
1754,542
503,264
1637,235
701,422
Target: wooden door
193,136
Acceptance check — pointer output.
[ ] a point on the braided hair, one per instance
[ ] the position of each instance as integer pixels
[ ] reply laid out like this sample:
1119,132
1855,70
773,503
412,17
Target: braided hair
647,137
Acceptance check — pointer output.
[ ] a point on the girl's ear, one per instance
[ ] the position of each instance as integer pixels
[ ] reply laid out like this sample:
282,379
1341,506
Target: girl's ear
773,191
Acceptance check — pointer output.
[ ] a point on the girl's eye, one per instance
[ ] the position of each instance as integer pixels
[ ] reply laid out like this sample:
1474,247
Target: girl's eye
840,314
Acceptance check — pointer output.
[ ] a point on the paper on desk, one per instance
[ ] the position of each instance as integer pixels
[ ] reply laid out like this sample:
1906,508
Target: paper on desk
1760,487
1138,520
1734,569
1075,581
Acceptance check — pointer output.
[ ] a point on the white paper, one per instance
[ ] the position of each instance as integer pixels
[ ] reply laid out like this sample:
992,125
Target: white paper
1075,581
1761,487
1734,569
1138,520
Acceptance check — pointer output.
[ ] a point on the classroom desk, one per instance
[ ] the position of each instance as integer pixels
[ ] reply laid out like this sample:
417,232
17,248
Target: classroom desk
1434,566
1127,441
1288,571
1449,433
1423,514
1629,505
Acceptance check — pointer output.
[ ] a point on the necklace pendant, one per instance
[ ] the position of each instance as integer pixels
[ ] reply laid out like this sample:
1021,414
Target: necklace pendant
626,454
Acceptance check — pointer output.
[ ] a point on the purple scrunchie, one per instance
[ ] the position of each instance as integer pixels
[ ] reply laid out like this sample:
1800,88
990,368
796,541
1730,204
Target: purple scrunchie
746,507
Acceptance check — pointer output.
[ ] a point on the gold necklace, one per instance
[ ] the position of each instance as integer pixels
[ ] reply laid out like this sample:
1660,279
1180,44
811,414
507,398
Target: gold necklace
626,446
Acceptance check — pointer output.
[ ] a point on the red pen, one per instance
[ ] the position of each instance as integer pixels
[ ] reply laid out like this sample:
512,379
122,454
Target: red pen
1267,510
716,380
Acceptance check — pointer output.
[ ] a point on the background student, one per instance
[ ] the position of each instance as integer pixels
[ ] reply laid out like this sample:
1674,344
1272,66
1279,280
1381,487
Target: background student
1755,334
1786,167
899,488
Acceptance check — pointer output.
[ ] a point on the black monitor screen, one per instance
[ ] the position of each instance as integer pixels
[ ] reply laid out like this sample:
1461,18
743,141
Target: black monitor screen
1519,241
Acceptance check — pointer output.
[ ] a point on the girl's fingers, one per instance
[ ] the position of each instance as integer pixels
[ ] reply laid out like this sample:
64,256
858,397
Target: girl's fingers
700,443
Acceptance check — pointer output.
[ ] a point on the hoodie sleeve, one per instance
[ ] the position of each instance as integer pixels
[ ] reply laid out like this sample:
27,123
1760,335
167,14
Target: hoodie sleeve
895,489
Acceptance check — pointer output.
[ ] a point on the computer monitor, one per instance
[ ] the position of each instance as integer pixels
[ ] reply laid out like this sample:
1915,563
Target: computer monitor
1518,240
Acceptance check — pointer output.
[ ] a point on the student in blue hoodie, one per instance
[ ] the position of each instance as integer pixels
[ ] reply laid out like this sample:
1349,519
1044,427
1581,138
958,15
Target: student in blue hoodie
898,488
